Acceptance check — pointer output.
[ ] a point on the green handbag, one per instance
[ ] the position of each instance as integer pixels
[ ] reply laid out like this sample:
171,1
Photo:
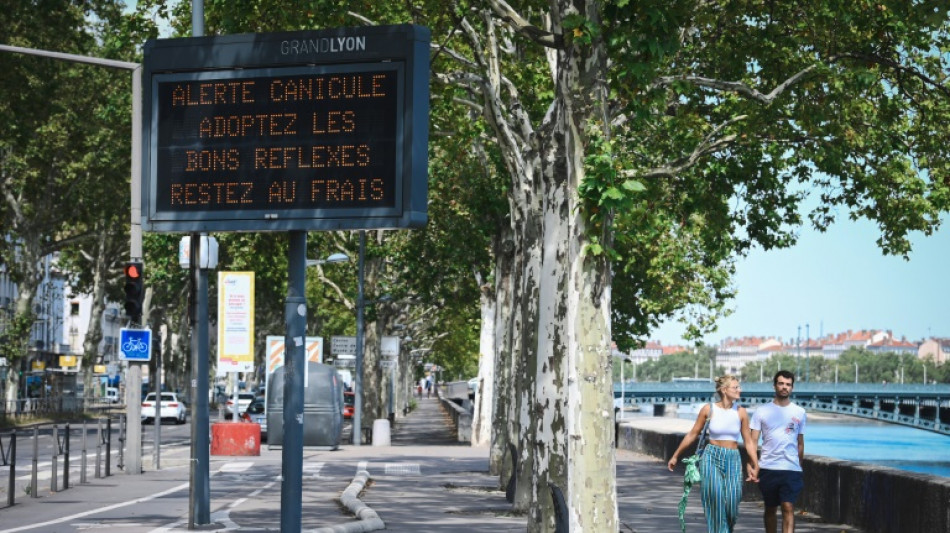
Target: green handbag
692,475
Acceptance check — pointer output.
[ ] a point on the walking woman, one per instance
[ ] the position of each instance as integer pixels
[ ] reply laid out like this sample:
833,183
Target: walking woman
721,464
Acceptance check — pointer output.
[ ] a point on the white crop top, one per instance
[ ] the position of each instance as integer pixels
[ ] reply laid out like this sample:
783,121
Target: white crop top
725,424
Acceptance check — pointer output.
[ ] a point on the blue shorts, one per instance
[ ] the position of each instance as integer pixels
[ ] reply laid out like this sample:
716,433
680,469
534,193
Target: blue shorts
778,486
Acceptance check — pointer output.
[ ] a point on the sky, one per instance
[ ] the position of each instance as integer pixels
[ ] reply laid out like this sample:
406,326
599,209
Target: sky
836,281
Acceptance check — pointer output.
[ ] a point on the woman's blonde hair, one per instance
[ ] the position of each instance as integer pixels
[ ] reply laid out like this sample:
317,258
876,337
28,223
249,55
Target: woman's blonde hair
723,381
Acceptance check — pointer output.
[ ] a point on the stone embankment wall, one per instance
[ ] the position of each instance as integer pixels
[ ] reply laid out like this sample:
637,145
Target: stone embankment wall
461,417
876,499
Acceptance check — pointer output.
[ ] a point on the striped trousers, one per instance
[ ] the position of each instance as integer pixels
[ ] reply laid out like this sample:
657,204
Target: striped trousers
721,470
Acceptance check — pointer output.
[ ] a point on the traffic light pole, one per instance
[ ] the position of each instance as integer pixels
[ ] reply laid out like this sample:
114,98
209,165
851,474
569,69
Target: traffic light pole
133,454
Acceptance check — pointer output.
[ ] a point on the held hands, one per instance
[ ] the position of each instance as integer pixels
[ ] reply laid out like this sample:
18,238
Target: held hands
753,471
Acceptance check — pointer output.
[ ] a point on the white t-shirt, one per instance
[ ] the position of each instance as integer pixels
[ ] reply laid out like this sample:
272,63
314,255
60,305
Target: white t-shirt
780,427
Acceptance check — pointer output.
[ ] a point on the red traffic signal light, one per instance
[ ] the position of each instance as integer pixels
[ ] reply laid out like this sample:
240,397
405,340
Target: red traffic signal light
133,271
134,290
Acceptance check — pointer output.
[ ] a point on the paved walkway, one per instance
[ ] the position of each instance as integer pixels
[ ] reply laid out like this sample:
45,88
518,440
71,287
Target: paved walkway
424,482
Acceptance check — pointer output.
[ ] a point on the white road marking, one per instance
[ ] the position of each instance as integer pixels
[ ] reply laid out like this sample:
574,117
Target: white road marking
222,517
96,511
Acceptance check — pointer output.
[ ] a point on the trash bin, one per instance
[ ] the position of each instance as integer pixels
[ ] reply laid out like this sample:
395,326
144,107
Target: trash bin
322,407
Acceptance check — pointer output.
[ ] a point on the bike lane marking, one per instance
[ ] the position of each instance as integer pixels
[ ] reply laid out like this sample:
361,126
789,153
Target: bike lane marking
97,511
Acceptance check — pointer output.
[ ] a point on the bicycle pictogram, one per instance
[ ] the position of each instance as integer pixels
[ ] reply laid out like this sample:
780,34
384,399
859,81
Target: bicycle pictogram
134,345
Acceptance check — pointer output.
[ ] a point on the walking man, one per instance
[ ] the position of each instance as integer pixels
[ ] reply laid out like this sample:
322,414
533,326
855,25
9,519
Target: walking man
782,426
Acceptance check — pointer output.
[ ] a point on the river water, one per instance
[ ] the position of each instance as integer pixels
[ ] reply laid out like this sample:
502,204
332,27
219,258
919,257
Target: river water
879,443
867,441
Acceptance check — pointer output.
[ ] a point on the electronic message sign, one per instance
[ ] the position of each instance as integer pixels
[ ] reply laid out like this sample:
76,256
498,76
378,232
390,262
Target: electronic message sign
316,130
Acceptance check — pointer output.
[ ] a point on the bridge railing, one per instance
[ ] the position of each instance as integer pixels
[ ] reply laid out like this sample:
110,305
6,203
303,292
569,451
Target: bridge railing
930,404
801,388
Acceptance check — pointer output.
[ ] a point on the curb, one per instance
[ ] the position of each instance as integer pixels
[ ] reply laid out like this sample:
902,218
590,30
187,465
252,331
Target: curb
368,520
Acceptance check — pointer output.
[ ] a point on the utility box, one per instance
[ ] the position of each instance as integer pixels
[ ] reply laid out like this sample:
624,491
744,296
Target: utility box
322,407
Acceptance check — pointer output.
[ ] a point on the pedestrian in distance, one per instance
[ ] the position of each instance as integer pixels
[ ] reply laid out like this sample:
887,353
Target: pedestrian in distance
429,386
720,465
781,423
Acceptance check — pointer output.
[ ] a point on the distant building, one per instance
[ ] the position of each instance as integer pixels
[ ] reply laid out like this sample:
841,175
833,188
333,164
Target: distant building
841,342
936,349
891,345
733,354
61,320
652,350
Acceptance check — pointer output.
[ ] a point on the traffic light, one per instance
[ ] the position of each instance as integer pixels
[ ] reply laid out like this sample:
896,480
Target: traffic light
134,290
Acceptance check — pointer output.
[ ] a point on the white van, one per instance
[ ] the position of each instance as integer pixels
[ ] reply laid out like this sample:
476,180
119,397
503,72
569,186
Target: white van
112,395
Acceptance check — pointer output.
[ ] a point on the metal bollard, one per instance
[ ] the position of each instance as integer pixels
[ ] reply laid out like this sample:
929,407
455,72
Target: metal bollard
108,445
54,480
66,459
12,460
122,437
82,460
36,462
99,449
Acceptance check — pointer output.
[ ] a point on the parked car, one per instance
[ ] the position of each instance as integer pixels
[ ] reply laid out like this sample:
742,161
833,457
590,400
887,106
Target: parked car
243,400
256,412
172,408
349,402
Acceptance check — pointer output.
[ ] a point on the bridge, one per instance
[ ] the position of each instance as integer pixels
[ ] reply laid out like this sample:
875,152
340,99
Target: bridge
920,406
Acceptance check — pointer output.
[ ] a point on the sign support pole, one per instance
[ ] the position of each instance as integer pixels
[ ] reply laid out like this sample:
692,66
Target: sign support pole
200,497
295,314
358,378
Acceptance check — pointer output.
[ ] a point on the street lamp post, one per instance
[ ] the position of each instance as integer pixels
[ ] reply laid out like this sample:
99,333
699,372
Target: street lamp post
622,391
807,342
623,396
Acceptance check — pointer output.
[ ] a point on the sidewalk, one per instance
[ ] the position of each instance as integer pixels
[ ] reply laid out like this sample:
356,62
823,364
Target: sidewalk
424,482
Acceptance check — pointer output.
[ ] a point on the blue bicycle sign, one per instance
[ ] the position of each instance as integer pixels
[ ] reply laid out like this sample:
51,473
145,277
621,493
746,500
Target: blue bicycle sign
135,344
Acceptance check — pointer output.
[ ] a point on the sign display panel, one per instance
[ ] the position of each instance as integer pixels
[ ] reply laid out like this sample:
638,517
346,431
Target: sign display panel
303,130
135,344
235,322
275,355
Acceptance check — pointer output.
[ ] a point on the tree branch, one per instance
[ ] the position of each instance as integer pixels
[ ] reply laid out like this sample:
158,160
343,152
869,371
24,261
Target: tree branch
739,87
710,144
900,68
522,26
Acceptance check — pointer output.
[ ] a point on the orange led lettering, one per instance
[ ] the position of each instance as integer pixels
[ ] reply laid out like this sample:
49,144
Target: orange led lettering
282,192
211,193
339,190
334,122
211,160
214,93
